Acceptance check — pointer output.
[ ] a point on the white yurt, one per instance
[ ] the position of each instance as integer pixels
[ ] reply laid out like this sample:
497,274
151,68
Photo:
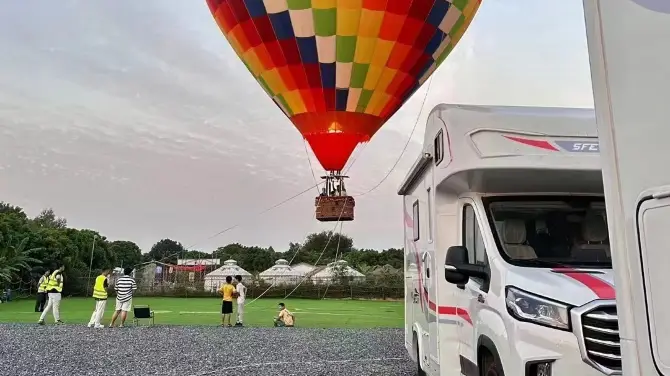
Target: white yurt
216,278
303,268
281,273
336,269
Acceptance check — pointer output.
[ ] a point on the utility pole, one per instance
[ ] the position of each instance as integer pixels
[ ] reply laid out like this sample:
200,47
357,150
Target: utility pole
90,266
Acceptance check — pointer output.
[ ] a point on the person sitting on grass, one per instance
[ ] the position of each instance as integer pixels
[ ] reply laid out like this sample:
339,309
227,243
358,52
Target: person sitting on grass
285,318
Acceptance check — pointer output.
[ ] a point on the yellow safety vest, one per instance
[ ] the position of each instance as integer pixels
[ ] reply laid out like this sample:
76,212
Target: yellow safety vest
53,282
43,285
99,291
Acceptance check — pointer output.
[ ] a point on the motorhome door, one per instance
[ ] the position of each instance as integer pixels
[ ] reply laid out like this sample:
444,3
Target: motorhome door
475,291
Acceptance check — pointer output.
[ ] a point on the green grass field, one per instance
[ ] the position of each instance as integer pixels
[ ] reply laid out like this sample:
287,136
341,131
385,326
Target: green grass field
206,311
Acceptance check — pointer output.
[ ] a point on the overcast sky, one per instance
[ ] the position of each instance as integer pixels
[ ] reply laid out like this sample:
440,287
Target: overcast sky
136,118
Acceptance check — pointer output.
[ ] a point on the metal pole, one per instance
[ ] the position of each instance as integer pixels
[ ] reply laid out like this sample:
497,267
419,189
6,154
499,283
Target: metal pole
90,266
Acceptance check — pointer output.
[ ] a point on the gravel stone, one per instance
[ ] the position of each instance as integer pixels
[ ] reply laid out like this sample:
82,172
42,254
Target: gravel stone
70,350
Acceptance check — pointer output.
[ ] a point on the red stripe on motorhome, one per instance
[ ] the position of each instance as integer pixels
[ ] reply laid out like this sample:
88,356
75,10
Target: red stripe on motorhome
534,143
602,289
423,295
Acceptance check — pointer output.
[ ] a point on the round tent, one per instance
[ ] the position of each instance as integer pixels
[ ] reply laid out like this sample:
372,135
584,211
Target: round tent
303,268
217,277
281,273
337,269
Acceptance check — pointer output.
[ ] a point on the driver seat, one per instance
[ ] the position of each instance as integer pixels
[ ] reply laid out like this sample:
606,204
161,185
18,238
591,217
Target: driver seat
514,239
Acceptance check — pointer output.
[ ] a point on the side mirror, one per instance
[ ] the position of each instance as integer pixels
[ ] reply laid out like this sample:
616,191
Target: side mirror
457,256
457,267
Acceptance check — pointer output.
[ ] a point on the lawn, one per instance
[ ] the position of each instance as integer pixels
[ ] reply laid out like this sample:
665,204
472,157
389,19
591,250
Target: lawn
206,311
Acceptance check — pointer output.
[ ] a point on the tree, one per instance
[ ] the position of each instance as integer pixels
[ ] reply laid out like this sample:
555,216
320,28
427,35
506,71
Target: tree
387,275
394,257
128,254
231,251
166,250
294,252
6,208
340,273
363,257
365,268
253,259
14,258
197,255
47,218
46,240
258,259
328,243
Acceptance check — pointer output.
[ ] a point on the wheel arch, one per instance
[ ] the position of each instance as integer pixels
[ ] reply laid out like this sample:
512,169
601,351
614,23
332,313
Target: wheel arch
417,333
486,343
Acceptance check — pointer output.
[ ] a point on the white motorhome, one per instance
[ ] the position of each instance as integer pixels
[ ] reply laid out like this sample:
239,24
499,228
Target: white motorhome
507,264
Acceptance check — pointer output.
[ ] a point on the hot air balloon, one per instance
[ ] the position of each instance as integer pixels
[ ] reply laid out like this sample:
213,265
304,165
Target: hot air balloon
339,69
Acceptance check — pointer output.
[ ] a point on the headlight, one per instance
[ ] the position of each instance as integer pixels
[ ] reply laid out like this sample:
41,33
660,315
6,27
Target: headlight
529,307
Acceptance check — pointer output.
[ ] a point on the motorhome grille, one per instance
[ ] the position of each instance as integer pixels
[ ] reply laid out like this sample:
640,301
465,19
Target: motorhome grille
600,328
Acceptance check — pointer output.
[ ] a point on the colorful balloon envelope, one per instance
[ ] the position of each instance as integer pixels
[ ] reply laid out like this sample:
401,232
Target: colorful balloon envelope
339,69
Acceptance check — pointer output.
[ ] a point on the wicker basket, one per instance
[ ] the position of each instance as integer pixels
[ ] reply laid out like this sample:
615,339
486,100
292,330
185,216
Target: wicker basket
334,208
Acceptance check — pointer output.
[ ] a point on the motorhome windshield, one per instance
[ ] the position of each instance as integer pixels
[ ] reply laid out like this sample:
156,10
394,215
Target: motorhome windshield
551,231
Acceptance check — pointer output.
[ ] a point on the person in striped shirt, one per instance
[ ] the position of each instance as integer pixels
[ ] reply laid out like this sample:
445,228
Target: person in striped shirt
124,287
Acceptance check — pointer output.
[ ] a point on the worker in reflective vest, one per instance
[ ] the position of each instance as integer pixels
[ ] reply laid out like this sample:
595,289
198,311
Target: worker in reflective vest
54,289
42,291
100,296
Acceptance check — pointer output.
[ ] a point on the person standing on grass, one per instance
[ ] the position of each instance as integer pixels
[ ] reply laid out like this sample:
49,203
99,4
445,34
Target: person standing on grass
54,289
100,295
42,291
124,287
227,291
241,290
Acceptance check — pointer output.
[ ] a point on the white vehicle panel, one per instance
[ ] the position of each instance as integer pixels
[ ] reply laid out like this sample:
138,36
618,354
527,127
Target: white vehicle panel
628,51
653,223
574,286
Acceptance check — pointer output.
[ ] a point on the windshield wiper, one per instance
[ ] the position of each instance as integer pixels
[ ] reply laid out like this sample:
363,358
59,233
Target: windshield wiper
546,263
555,264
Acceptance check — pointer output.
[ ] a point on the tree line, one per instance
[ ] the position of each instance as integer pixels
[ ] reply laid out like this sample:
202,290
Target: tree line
28,246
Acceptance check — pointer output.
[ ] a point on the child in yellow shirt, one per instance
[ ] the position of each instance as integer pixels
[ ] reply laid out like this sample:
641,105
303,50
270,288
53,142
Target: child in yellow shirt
285,318
227,291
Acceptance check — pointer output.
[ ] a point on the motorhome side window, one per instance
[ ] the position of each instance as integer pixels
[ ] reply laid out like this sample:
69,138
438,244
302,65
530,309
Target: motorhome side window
415,220
439,147
472,236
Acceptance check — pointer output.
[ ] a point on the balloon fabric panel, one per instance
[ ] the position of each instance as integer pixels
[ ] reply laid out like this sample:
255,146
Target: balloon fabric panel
341,67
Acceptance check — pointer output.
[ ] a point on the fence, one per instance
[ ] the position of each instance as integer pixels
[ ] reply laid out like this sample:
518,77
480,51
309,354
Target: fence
190,286
306,291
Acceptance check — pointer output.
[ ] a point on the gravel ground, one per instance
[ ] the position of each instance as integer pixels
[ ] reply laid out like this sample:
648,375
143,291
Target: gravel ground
199,351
